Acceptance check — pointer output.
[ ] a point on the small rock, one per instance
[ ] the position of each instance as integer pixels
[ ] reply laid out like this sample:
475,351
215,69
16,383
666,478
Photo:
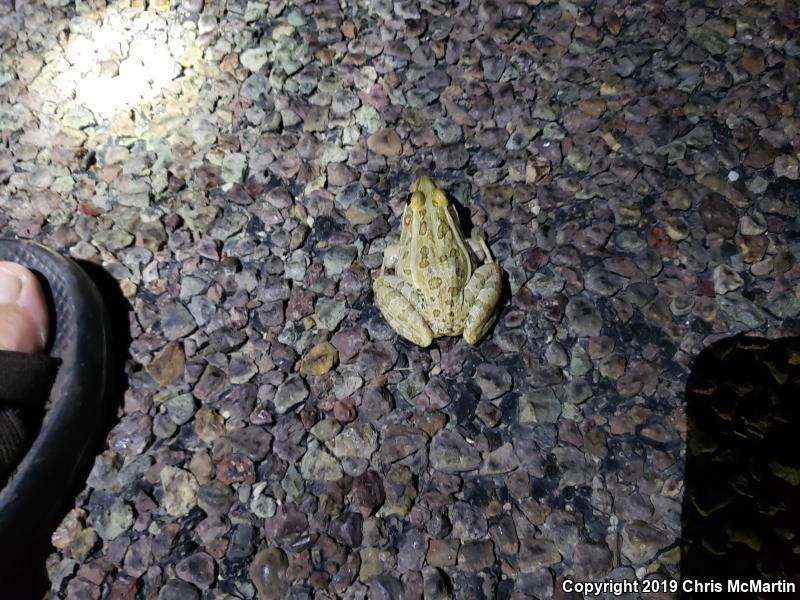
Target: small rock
753,60
476,556
197,569
385,587
241,543
123,588
180,409
504,535
358,440
613,85
175,589
590,560
268,574
584,317
286,524
339,258
73,537
233,167
450,156
329,313
719,215
348,343
726,279
753,225
400,491
209,425
385,142
400,441
594,106
469,522
451,453
411,554
326,430
641,542
346,528
436,584
787,166
253,442
371,565
536,554
540,406
254,58
318,465
167,365
236,468
368,493
176,321
180,491
290,393
742,310
494,381
115,521
501,460
319,360
442,553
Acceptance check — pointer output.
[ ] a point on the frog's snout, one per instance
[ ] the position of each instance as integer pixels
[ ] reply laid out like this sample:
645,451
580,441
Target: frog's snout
424,184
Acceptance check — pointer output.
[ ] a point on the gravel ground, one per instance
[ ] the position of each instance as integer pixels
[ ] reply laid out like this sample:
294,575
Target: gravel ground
238,168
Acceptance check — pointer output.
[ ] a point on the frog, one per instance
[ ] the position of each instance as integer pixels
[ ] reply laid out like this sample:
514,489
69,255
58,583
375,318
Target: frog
443,283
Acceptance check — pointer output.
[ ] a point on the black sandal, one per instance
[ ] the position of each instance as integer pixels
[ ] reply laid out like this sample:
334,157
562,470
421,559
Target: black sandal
52,405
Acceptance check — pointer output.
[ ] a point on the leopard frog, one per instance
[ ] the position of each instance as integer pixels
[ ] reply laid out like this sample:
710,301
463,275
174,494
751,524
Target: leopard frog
438,287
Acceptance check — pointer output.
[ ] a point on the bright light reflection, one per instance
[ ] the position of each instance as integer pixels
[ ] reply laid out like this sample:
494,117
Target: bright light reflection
106,83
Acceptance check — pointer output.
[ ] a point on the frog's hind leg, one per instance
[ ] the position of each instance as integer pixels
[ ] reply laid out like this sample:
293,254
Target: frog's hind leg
398,302
481,297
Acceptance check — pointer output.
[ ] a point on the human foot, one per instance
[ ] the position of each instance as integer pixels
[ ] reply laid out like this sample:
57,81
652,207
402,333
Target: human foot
51,433
23,312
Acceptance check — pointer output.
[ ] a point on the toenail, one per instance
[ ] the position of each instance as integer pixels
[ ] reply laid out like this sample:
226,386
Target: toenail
10,287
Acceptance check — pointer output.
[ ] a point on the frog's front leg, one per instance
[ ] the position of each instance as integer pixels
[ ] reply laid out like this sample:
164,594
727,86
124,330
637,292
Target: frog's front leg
391,255
399,303
477,243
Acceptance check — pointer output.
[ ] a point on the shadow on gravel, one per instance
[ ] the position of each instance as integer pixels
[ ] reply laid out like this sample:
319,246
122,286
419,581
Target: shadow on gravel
29,578
741,507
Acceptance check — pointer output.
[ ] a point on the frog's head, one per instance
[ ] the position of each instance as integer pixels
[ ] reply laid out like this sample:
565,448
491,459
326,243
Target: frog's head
424,184
424,188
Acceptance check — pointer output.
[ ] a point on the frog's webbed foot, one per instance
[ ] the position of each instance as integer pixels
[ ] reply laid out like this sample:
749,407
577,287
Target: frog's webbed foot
481,297
398,302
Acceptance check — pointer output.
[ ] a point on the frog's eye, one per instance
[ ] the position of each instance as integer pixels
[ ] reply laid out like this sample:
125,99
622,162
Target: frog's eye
417,200
439,198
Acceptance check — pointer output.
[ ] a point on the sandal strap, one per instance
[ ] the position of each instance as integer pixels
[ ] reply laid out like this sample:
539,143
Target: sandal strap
26,379
13,441
25,382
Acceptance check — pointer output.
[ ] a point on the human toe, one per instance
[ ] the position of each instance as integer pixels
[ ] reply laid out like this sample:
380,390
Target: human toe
23,310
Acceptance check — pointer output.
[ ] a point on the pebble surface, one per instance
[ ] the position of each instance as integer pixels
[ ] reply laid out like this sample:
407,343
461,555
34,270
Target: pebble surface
239,166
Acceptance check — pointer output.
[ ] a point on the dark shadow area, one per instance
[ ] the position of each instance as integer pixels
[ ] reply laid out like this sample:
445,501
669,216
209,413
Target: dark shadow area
27,577
741,507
